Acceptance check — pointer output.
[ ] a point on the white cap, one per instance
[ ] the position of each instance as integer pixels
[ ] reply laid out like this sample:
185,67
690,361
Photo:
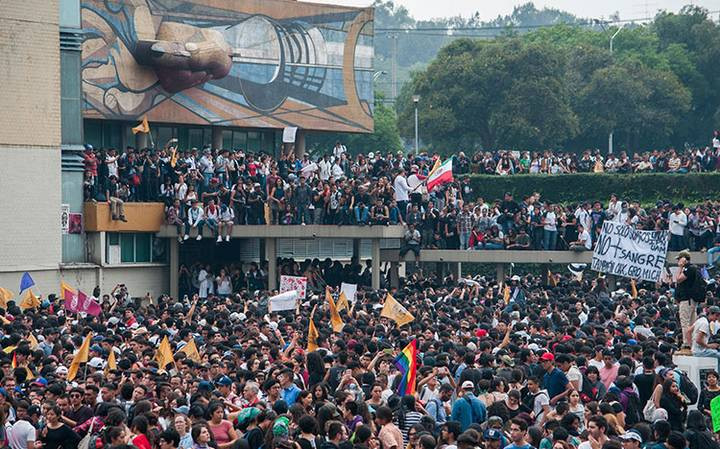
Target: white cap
467,385
96,362
61,370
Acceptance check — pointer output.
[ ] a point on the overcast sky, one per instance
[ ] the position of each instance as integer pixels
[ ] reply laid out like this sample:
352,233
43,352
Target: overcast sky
489,9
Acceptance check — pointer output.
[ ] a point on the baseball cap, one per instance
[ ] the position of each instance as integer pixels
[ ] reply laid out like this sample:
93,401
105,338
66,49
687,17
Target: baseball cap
713,310
632,434
224,381
183,409
547,357
467,385
492,434
684,253
61,370
96,362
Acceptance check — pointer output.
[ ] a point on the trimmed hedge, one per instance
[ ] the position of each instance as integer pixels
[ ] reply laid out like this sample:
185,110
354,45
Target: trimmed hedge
645,188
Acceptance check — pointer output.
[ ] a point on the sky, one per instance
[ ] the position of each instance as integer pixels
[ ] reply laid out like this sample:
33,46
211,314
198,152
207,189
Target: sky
490,9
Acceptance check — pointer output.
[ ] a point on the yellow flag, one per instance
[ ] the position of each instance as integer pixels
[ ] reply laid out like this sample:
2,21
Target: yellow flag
335,320
191,351
551,279
111,363
80,357
342,302
396,312
143,127
312,337
173,157
33,341
31,301
164,354
5,296
9,349
506,294
633,288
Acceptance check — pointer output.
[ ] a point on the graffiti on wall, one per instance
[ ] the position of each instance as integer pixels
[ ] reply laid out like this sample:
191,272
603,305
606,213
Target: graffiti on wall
255,63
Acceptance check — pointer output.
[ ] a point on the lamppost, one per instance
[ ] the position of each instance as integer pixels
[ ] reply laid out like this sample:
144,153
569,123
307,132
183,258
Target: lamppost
612,38
416,100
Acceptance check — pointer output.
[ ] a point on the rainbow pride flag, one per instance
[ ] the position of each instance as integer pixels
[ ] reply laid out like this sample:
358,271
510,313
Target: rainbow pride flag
406,363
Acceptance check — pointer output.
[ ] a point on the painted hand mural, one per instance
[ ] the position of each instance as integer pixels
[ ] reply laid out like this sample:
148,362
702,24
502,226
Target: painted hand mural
276,64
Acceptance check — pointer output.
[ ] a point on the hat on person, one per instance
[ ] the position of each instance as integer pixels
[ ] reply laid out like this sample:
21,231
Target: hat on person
492,434
548,357
467,385
183,409
632,434
61,370
96,362
205,386
113,320
515,278
480,333
506,359
713,310
660,414
224,381
684,253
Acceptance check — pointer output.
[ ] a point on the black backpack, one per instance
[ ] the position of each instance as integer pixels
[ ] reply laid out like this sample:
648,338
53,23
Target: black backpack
687,387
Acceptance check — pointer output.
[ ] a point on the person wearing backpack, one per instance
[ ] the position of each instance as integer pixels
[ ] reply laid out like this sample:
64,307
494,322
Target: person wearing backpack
468,409
689,291
436,408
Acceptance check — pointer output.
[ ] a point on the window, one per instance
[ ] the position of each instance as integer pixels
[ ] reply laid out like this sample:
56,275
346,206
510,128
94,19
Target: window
134,248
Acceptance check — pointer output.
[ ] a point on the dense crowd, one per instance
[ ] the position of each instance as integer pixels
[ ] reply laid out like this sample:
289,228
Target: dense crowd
573,365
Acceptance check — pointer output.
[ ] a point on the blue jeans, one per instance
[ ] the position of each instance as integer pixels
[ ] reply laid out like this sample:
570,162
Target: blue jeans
549,240
492,245
302,214
361,217
464,239
200,225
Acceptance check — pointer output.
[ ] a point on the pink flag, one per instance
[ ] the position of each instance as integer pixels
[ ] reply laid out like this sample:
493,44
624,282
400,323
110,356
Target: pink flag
72,304
88,305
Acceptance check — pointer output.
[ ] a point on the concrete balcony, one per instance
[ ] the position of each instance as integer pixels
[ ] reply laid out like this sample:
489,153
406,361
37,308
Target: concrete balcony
141,217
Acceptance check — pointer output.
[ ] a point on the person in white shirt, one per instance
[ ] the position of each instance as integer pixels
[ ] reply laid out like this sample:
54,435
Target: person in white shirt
549,228
583,243
614,207
338,150
195,220
325,166
701,333
22,434
227,219
678,223
402,190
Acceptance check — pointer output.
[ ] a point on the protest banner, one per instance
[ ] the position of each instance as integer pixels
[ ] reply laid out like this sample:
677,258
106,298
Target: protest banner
625,251
294,283
283,301
350,291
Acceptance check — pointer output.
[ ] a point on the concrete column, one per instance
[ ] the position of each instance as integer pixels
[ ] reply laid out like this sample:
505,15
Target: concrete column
500,272
356,250
141,141
456,269
299,143
174,268
271,256
376,263
394,274
217,137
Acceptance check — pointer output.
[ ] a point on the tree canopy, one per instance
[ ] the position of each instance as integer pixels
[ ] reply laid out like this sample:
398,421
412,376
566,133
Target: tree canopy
561,86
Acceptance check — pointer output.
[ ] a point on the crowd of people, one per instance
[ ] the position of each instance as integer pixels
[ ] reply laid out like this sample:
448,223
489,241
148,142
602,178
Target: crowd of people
572,364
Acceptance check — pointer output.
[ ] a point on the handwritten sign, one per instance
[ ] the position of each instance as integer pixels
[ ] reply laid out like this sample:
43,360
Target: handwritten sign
350,291
624,251
283,301
294,283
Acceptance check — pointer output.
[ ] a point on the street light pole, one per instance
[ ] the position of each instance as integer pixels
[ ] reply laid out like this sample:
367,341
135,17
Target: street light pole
612,38
416,100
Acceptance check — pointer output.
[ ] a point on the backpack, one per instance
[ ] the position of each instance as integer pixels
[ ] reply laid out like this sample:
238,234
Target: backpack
702,440
687,387
633,411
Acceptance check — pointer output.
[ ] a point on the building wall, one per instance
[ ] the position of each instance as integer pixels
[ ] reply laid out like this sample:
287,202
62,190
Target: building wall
30,137
139,280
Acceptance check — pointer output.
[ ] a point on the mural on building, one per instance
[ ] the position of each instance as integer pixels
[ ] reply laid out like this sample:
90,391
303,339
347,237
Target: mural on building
254,63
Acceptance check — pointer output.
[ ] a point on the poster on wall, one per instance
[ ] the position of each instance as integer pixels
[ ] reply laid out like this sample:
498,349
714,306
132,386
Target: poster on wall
261,64
65,218
294,283
75,224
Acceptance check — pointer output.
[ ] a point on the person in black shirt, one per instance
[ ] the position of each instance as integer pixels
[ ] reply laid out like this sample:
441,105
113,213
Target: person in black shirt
687,294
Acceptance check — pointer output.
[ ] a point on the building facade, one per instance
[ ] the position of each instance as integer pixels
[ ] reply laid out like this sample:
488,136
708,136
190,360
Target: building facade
221,73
